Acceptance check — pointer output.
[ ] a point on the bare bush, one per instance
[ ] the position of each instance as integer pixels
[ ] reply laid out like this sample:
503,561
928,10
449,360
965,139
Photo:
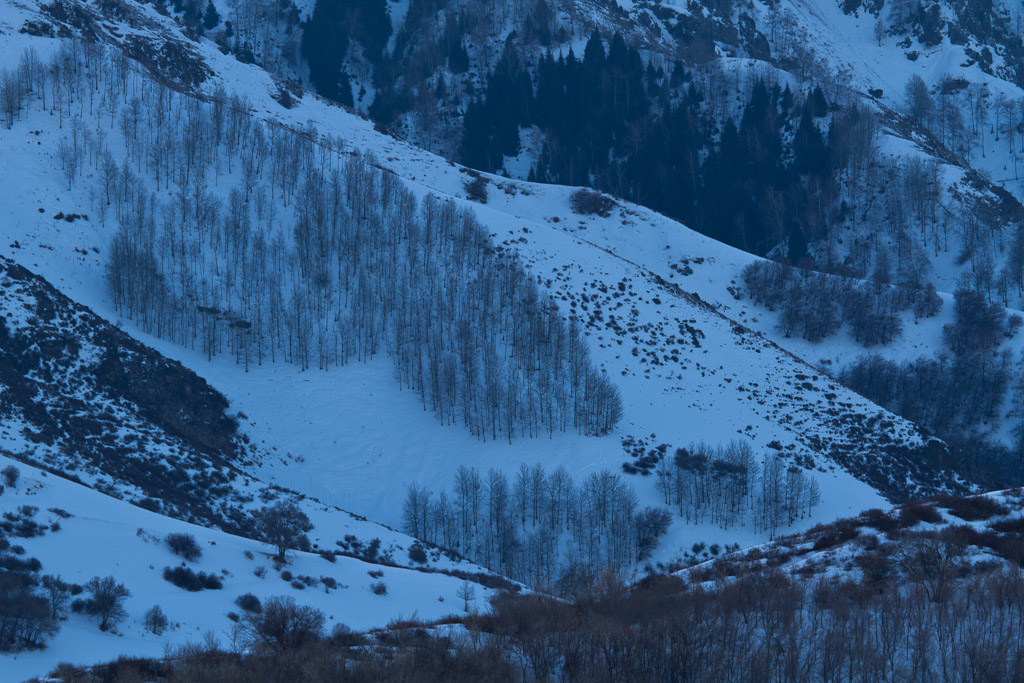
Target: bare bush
590,203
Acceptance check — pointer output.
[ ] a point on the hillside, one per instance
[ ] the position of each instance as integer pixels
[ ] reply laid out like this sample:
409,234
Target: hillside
221,292
76,533
928,590
959,535
551,243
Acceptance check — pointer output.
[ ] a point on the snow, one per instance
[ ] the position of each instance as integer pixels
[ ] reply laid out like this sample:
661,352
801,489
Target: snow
351,438
356,441
105,536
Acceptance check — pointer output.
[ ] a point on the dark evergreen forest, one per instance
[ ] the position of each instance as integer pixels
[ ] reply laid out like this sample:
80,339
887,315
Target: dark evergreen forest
648,136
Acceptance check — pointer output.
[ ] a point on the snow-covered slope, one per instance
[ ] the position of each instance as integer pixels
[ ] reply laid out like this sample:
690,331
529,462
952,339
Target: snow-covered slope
660,306
97,535
686,371
85,401
940,540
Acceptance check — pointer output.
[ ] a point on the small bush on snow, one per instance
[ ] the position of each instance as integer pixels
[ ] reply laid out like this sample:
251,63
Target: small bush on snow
185,545
249,603
10,475
588,202
183,577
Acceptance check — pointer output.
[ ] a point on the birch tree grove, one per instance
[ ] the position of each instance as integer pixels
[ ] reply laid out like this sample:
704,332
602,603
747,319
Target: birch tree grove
542,528
240,236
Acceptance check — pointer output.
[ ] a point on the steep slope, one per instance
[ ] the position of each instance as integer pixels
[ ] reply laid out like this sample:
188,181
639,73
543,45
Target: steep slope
731,383
85,398
932,543
84,401
85,534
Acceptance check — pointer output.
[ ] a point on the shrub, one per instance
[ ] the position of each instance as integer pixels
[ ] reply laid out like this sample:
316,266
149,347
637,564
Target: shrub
155,620
1013,525
58,594
876,567
106,601
973,508
587,202
185,545
1008,547
379,588
1013,324
476,189
183,577
837,533
10,475
284,526
343,636
927,302
417,553
16,564
914,513
977,323
248,602
878,520
282,624
26,619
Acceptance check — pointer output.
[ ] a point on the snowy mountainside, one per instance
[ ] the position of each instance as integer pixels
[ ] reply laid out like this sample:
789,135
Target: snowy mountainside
661,309
86,534
935,540
85,401
663,402
83,397
968,55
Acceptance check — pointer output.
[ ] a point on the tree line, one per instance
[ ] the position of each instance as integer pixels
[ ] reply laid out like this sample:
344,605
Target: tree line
815,305
961,392
544,529
885,621
665,138
282,245
758,164
727,486
953,392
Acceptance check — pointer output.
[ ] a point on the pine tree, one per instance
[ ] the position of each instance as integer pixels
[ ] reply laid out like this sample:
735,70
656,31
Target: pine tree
509,93
211,18
325,41
819,106
809,150
797,245
370,24
479,147
458,58
593,53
